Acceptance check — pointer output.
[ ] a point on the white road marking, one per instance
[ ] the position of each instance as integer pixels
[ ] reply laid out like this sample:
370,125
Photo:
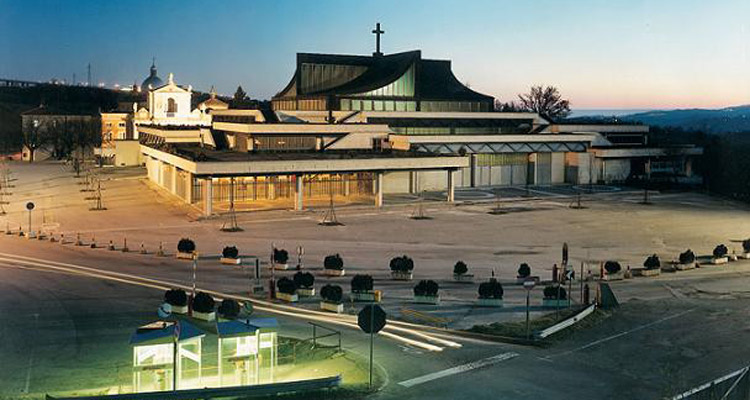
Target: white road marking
608,338
457,370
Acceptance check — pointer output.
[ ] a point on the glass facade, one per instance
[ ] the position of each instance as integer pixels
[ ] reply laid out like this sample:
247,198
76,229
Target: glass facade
455,106
377,105
401,87
320,77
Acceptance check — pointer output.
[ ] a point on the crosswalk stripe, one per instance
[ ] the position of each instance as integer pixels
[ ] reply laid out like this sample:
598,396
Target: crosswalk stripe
459,369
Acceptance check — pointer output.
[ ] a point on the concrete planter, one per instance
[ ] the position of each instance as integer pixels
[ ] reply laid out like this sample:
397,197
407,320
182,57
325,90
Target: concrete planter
306,292
402,276
334,272
209,316
338,308
178,309
618,276
684,267
651,272
520,281
468,278
719,260
435,300
289,298
362,296
745,256
733,257
490,302
555,303
184,256
230,261
281,267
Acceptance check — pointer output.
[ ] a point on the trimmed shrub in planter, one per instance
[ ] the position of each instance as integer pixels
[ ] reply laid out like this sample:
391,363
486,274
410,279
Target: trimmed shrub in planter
332,295
362,288
287,290
491,293
333,265
652,266
524,271
230,256
687,260
229,308
745,249
177,300
185,248
720,255
280,259
460,272
203,307
426,292
401,268
304,282
614,271
555,296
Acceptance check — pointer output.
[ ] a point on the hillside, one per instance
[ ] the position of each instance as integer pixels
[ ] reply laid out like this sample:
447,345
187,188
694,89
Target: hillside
725,120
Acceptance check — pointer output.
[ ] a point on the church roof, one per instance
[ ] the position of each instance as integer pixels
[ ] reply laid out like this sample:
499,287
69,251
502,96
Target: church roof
152,80
434,78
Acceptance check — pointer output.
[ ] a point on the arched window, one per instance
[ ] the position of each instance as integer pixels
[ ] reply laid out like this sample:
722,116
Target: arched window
171,105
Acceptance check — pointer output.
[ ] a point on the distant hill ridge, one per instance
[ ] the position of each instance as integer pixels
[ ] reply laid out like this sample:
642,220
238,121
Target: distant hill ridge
725,120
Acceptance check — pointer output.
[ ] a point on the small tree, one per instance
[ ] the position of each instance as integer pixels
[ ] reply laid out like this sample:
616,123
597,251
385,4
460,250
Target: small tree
362,283
176,297
545,101
491,289
687,257
652,262
230,252
524,271
426,288
720,251
34,136
402,264
203,303
332,293
612,267
186,245
552,292
229,308
333,262
303,280
460,268
286,286
280,256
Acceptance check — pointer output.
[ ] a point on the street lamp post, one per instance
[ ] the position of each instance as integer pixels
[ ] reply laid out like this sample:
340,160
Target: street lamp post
528,285
29,206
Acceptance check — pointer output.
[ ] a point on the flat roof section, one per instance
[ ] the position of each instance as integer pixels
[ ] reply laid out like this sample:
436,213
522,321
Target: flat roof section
205,161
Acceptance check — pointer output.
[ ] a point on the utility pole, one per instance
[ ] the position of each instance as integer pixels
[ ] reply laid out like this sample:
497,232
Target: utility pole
89,74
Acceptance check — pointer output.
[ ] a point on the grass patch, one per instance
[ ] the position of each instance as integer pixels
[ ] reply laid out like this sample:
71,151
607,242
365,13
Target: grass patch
518,329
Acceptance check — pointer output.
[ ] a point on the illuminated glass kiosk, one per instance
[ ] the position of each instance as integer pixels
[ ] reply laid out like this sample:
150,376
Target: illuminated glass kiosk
247,351
153,356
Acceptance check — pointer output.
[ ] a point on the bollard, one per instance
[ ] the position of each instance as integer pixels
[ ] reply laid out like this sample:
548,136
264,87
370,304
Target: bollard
78,240
93,242
160,253
125,245
40,235
20,230
143,249
52,238
7,228
111,246
62,238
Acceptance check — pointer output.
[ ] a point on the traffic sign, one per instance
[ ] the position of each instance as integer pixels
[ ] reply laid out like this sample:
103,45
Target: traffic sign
371,318
529,284
30,206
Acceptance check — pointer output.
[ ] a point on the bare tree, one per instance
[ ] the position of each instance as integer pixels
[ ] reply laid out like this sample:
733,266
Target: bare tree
34,136
545,101
87,134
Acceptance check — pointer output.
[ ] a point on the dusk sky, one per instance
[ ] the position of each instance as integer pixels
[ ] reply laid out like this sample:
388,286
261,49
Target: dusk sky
601,54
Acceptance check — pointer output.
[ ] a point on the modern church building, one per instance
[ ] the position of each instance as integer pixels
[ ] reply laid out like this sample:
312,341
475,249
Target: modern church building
350,128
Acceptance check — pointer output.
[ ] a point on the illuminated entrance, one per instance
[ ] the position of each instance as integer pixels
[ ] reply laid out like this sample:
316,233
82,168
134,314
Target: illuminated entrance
281,191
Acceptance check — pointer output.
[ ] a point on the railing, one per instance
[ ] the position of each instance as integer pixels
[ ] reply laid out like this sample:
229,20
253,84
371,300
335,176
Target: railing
333,332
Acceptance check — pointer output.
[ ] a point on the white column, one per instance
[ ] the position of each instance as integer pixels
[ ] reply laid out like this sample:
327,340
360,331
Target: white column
209,197
189,188
378,189
298,193
173,184
451,186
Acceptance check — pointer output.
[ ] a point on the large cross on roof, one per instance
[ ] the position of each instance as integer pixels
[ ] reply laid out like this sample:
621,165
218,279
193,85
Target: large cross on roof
377,31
